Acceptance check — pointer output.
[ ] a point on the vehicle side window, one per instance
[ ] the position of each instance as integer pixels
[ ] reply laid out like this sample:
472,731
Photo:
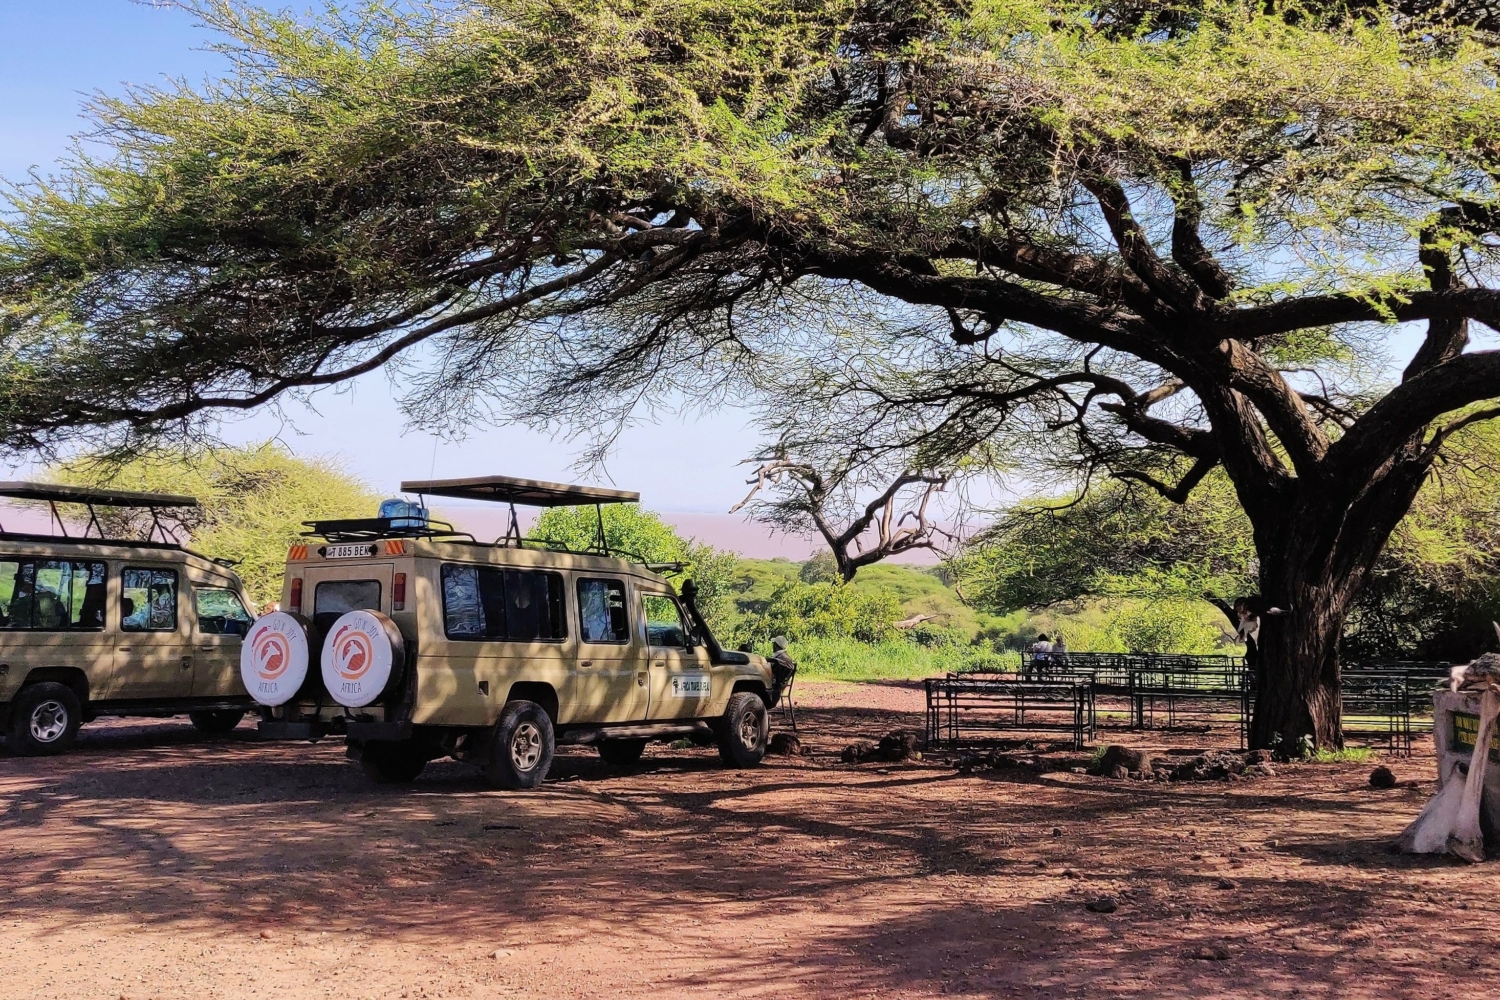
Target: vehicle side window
664,622
480,602
52,595
602,615
221,613
335,598
148,600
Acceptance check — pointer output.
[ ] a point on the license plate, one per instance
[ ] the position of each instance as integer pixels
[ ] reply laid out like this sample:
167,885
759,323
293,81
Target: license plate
348,552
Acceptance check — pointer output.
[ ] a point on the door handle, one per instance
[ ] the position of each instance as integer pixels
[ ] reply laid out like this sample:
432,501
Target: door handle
124,649
187,663
640,678
658,663
586,663
207,646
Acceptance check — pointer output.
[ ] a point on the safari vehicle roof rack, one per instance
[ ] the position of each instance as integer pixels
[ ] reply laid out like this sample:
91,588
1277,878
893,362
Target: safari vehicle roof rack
365,529
531,493
90,497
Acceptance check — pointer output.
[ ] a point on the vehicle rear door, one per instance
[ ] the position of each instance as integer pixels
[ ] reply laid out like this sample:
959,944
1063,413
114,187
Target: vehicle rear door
153,649
610,683
680,680
220,622
332,590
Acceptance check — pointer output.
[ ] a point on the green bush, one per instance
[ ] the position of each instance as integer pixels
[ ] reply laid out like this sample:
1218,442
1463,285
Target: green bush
843,659
803,611
1166,626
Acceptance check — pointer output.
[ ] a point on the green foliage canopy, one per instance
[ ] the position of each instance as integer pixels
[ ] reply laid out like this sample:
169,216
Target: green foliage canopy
1142,239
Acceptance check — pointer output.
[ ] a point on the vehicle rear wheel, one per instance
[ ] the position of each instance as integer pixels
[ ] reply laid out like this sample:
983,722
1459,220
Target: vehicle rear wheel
621,753
392,763
216,722
44,719
521,748
742,730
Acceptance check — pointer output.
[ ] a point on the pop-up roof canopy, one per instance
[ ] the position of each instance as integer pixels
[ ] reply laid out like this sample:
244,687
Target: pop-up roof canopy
90,497
50,493
528,492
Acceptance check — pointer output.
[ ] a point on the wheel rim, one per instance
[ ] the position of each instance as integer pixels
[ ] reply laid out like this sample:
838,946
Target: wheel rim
49,721
750,730
526,746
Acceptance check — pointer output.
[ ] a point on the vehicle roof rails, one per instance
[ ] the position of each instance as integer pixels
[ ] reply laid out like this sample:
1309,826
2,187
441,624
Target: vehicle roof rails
364,529
90,497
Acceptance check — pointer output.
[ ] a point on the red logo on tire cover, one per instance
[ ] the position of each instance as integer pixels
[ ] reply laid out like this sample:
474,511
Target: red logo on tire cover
273,655
352,653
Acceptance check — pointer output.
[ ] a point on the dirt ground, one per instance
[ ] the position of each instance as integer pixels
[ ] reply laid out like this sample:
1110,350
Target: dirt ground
153,863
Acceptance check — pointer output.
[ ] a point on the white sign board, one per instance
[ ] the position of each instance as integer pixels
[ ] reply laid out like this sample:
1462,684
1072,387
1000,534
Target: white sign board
689,686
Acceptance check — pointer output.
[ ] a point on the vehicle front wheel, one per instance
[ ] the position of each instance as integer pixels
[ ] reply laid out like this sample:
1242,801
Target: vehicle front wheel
621,753
392,763
216,722
521,747
742,730
44,719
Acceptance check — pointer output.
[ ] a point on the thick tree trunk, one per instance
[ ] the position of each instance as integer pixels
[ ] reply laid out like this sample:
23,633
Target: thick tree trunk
1297,675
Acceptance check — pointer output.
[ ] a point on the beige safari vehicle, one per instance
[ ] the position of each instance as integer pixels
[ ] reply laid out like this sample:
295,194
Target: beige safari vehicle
418,642
94,627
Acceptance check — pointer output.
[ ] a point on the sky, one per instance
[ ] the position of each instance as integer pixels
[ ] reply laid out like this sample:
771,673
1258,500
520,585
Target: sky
54,53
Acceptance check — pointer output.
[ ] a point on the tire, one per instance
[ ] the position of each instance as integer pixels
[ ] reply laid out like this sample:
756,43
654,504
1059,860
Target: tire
216,722
521,747
621,753
743,730
44,719
392,763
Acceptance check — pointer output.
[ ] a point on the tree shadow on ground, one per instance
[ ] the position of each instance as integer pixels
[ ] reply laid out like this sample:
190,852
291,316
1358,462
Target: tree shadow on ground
916,880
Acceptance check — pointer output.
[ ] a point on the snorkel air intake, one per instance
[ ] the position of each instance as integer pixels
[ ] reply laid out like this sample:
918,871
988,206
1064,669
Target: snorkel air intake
716,653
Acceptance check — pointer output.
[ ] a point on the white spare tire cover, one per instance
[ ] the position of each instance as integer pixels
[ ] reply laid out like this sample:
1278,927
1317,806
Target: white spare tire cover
362,652
274,657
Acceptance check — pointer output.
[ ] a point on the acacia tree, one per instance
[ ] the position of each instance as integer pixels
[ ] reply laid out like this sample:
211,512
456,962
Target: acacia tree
803,497
1148,230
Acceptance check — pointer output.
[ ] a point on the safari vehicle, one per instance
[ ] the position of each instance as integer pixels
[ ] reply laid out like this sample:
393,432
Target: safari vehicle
417,642
91,626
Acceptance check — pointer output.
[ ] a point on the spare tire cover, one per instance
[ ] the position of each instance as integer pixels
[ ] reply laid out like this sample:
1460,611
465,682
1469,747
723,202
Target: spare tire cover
274,657
362,654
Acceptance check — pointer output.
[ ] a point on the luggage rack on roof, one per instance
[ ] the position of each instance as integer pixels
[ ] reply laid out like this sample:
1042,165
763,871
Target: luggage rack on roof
365,529
90,497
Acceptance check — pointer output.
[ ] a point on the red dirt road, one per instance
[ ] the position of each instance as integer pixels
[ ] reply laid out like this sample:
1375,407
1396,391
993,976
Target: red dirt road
151,863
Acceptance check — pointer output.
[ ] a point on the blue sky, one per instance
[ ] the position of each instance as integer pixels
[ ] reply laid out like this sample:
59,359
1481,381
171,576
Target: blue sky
53,53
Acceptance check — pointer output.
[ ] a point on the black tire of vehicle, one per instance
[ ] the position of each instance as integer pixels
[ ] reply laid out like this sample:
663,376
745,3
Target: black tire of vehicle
44,719
216,722
621,753
393,763
521,747
743,729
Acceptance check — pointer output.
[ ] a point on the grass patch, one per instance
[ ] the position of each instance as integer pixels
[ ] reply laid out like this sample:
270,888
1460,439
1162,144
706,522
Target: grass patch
848,660
1348,755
